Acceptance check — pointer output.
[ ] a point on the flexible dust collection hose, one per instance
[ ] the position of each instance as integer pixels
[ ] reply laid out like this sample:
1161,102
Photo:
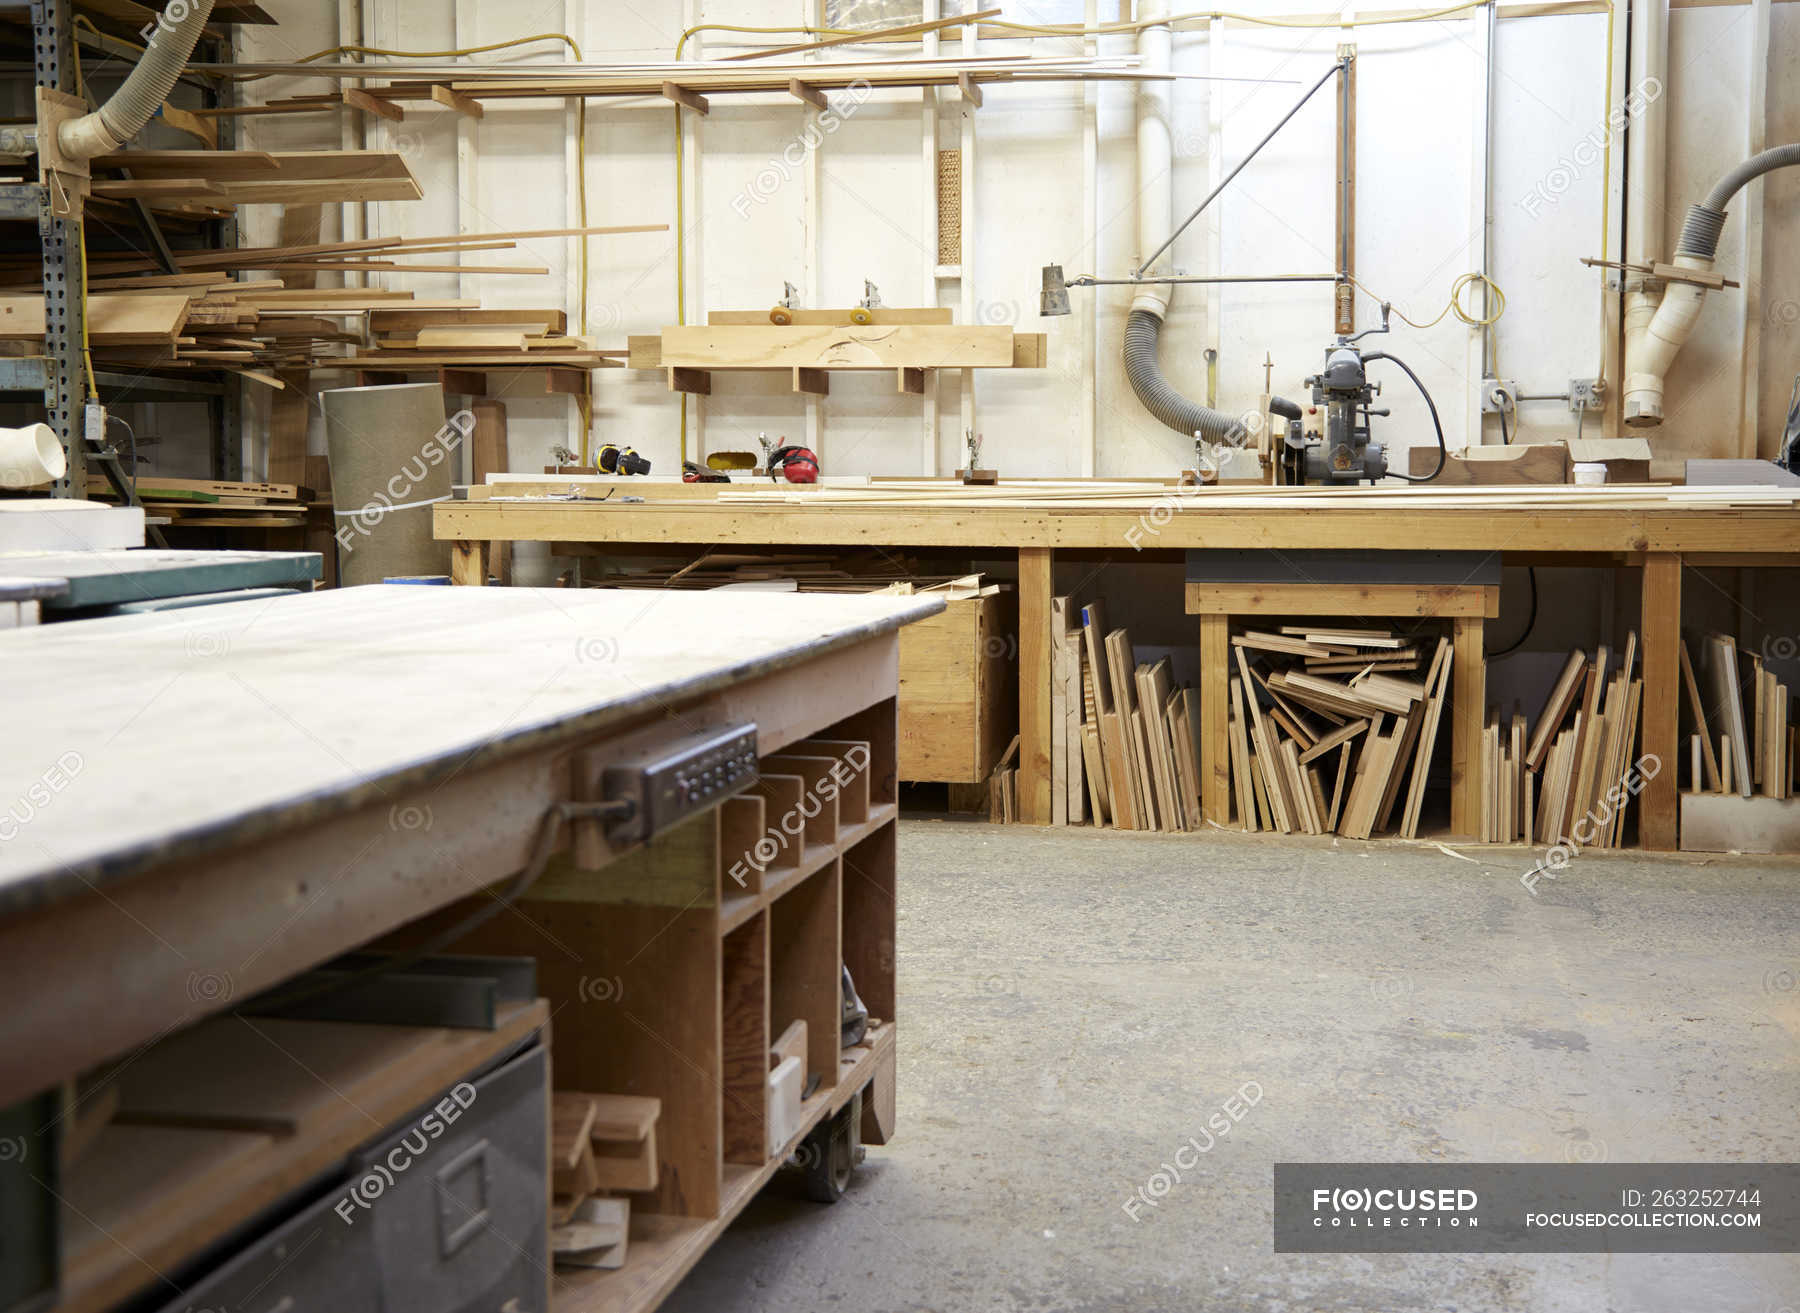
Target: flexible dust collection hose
121,118
1650,352
1143,333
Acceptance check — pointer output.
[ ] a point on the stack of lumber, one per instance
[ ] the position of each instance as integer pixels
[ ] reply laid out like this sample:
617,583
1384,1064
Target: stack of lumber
214,503
409,340
384,88
205,318
1737,703
211,182
1351,714
907,341
1229,499
1572,775
1124,738
601,1146
848,572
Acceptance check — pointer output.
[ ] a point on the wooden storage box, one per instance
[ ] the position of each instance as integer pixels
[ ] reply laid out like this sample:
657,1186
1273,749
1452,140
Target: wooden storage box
959,690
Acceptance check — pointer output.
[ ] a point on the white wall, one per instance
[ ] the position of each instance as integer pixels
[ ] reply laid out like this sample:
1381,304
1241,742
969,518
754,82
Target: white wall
868,211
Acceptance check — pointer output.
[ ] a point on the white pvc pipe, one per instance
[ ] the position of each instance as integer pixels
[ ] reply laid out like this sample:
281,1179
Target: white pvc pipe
30,457
1644,225
1155,154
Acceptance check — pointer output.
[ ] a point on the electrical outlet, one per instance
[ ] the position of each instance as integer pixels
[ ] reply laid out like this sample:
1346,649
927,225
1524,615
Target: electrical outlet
1584,394
1496,392
93,423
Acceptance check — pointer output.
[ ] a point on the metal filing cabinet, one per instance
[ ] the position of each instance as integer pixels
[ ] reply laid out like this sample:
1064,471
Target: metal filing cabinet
440,1214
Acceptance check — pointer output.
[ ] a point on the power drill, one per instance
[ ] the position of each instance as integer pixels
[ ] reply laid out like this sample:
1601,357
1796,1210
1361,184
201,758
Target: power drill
614,459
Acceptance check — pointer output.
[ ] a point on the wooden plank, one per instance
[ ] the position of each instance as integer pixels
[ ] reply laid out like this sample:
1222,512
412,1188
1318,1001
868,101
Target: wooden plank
1467,701
1215,744
1657,814
462,104
875,346
1035,585
809,94
1334,599
368,104
686,98
1701,721
1059,717
878,315
1072,698
1439,684
896,33
114,318
1556,708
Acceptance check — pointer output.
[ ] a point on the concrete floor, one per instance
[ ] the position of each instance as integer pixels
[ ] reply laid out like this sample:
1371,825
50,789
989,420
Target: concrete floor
1074,1004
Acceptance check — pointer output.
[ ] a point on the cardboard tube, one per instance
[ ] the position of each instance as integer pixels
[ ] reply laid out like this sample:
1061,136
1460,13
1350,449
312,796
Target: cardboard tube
30,457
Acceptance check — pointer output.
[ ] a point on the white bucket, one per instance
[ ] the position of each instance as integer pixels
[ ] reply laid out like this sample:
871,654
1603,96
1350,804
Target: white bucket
1590,471
30,457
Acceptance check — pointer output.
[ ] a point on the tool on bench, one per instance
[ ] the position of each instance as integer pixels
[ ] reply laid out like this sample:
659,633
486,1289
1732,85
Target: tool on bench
615,459
853,1017
866,308
692,473
1346,453
797,464
783,310
975,474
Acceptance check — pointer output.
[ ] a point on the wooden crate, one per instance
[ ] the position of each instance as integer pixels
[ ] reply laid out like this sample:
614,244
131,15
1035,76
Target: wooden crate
959,690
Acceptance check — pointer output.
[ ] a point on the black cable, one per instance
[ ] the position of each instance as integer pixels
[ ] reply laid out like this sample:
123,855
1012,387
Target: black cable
1530,619
132,434
549,829
1443,451
1505,437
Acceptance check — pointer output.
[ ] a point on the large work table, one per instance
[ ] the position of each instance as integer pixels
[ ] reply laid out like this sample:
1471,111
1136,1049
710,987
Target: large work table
203,803
1657,542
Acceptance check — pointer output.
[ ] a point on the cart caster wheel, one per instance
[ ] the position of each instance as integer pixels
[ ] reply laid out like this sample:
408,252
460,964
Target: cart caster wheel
829,1155
781,315
862,315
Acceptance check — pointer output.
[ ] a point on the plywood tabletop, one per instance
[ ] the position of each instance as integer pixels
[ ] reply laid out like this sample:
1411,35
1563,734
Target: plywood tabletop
140,739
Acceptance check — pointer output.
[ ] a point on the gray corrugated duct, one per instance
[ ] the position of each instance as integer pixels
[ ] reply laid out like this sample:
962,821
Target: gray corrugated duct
1143,332
120,119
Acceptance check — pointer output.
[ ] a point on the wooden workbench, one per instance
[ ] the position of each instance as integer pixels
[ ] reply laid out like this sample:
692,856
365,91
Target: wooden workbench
243,791
1658,542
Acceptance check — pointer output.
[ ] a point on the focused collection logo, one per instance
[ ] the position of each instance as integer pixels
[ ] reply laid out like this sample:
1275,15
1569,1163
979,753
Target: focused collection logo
1358,1207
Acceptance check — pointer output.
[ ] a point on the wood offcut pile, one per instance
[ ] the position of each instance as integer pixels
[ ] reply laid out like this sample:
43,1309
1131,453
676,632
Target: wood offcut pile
1742,740
1573,774
1344,742
602,1150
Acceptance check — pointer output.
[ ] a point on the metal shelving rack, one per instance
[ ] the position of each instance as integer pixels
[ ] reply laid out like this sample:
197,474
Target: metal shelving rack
58,375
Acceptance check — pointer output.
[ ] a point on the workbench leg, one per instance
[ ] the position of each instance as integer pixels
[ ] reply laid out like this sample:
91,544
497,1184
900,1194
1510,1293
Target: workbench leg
1035,585
1657,806
1215,718
1468,706
468,561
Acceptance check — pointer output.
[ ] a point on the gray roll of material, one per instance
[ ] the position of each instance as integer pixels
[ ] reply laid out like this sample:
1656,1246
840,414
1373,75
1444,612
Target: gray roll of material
391,457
